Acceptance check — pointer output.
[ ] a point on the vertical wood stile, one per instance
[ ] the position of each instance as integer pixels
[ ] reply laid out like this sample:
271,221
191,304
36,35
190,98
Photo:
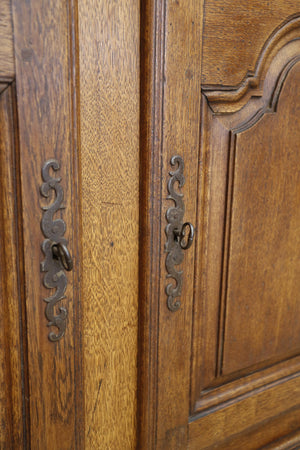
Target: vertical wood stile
170,108
109,116
45,64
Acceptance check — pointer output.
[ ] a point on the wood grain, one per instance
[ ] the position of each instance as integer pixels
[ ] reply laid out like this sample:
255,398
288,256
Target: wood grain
171,47
180,135
7,61
239,417
234,35
231,99
12,423
3,86
266,436
214,340
208,341
150,131
109,105
45,95
263,275
229,411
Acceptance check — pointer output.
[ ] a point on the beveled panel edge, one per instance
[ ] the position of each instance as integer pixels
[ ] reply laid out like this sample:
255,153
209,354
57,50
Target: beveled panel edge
3,86
224,99
241,121
283,428
234,390
273,400
270,105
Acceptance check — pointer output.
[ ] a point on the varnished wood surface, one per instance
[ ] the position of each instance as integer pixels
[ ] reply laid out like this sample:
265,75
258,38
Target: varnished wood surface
234,394
43,37
290,441
266,287
3,86
219,326
78,86
212,429
234,35
266,436
181,109
218,137
7,62
109,116
47,76
12,423
170,87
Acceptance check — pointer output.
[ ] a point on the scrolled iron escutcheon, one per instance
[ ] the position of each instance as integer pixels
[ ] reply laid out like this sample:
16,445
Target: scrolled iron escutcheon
177,237
57,257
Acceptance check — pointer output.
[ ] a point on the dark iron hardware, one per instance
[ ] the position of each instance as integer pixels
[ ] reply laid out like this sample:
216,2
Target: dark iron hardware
184,242
57,256
61,252
177,240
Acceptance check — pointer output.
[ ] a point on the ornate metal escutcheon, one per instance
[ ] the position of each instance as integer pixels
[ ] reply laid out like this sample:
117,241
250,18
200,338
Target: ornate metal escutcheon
177,239
57,257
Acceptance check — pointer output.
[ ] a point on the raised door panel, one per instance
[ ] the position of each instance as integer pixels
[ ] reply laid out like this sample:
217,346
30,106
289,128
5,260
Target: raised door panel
234,34
223,370
261,292
246,344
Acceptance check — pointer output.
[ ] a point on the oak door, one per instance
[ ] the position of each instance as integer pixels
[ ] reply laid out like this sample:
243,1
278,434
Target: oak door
69,112
223,369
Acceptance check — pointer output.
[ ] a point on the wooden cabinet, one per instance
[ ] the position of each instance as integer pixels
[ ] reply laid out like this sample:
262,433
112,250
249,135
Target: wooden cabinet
113,91
69,84
223,370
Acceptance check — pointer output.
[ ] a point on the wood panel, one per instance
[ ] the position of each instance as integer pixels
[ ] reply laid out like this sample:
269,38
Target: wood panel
12,364
235,34
179,135
239,417
264,271
268,435
109,115
7,61
171,38
45,66
231,99
221,133
235,391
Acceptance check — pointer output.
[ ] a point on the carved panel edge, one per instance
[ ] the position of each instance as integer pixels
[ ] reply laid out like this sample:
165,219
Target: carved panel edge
231,99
